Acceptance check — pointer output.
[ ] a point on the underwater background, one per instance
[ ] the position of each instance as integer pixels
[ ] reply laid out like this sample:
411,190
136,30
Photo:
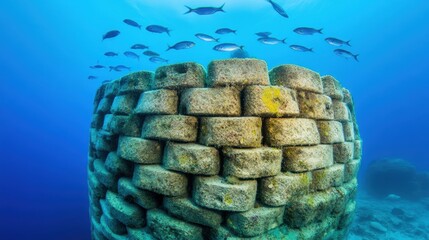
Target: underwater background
47,48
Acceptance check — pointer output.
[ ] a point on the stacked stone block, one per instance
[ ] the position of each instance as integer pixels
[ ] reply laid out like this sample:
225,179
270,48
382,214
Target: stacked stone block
234,153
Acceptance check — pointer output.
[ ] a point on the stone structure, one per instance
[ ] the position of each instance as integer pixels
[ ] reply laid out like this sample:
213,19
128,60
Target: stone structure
234,153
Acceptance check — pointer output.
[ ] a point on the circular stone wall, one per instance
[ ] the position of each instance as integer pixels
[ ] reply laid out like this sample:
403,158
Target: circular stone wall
236,153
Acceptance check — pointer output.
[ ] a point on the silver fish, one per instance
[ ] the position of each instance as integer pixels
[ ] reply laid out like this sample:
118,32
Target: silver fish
158,60
181,45
151,53
240,53
158,29
205,10
110,54
300,48
132,23
225,31
307,30
337,42
139,46
271,40
263,34
119,68
98,66
206,37
111,34
278,8
131,55
227,47
92,77
346,54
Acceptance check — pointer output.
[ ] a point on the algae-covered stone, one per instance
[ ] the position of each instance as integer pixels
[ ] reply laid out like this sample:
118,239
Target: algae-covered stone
123,125
251,163
210,102
325,178
296,77
291,131
237,72
127,213
255,221
105,177
185,208
112,89
357,152
140,234
330,131
307,158
281,189
349,134
341,111
351,169
179,76
112,223
270,101
105,141
97,121
332,87
319,230
99,94
143,198
171,128
348,99
135,82
97,188
191,158
317,106
108,232
139,150
124,104
347,217
117,165
231,131
162,101
343,152
157,179
216,193
104,105
168,228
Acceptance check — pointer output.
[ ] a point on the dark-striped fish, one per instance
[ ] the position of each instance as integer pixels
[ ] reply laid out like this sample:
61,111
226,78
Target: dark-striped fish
227,47
205,10
98,66
278,8
150,53
263,34
158,60
92,77
271,40
132,23
131,55
111,34
300,48
110,54
225,31
181,45
206,37
139,46
337,42
346,54
158,29
119,68
307,30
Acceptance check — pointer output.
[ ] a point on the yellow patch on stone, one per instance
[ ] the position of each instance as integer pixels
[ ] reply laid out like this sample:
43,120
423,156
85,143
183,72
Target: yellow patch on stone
227,199
270,98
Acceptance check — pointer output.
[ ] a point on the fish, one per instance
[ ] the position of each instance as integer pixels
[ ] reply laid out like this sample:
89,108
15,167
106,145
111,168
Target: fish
158,60
132,23
205,10
158,29
150,53
110,54
98,66
131,55
337,42
139,46
307,30
239,53
225,31
300,48
227,47
346,54
119,68
206,37
92,77
271,40
263,34
182,45
278,8
106,81
111,34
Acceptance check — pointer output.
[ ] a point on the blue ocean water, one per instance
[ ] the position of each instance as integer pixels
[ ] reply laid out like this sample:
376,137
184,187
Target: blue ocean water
46,99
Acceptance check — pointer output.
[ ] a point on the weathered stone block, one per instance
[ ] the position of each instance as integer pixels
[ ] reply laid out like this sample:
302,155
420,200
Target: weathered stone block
351,169
357,152
157,179
104,105
139,150
341,111
97,121
97,188
135,82
99,94
343,152
348,99
301,159
281,189
127,213
111,223
255,221
105,177
237,72
184,208
216,193
211,102
349,134
191,158
291,131
332,87
232,131
317,106
168,228
296,77
123,125
105,141
347,217
112,89
140,234
107,232
143,198
330,131
325,178
117,165
161,101
270,101
179,76
171,127
251,163
124,104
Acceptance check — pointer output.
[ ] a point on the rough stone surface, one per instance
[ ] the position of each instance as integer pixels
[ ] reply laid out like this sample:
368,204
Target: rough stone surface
296,77
139,150
328,177
270,101
143,198
317,106
135,82
112,89
179,76
330,131
291,132
104,105
123,125
332,87
105,177
124,104
210,102
349,134
140,234
341,111
350,170
343,152
357,152
127,213
301,159
112,224
232,131
171,128
161,101
117,165
237,72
